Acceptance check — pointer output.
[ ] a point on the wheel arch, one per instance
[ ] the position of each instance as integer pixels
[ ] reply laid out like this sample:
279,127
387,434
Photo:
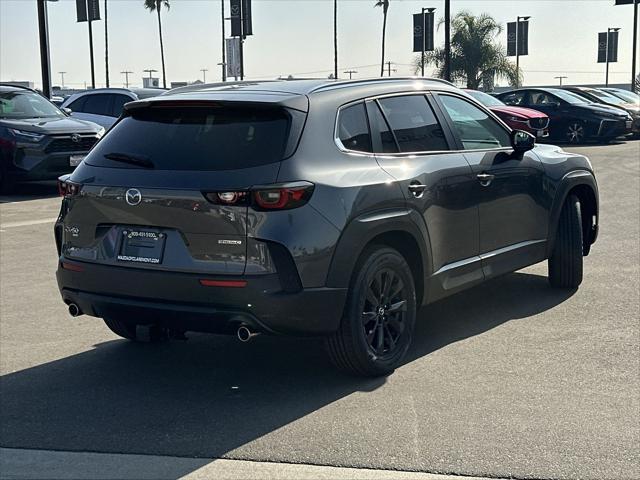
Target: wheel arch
403,230
582,184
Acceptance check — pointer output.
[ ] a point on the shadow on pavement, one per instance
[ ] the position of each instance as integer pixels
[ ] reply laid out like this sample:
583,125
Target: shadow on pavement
210,395
31,191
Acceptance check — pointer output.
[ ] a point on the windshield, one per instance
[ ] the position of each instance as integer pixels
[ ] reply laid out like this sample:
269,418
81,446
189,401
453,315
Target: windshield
485,99
26,104
569,97
206,139
607,97
629,96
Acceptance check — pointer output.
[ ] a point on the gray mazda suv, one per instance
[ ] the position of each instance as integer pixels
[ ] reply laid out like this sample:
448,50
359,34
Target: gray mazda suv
313,207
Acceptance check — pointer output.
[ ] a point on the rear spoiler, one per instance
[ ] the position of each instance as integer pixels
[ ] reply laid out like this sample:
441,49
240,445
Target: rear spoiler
257,99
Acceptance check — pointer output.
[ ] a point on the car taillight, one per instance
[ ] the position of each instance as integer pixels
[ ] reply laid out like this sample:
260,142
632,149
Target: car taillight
267,197
67,188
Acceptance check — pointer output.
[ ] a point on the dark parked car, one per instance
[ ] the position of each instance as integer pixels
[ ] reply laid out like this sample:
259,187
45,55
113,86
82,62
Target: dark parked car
313,208
518,118
574,119
629,96
38,141
600,96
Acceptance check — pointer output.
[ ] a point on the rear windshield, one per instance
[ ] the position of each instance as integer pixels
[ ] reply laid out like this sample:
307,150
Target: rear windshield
196,138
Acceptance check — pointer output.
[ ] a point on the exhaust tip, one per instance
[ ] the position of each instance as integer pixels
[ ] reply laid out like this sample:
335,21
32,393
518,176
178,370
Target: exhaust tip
244,334
74,310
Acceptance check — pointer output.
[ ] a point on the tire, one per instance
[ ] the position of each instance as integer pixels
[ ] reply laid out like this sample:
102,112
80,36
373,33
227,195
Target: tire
576,132
565,263
6,185
376,330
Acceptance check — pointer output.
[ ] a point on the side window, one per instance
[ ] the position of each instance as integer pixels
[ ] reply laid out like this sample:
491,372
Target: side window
98,104
387,141
353,129
476,129
77,105
515,98
414,124
542,98
118,104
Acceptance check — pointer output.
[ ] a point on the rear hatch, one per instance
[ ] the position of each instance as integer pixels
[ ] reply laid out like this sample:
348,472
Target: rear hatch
153,192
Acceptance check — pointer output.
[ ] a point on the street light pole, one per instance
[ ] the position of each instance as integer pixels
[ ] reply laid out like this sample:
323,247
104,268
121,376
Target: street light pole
518,48
45,62
350,72
634,56
62,78
424,35
224,55
606,78
204,74
447,40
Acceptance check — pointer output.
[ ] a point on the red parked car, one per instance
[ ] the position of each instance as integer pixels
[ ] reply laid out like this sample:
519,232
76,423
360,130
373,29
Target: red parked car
518,118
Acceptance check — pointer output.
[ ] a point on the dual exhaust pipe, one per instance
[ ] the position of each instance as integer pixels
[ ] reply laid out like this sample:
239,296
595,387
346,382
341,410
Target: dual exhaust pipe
244,334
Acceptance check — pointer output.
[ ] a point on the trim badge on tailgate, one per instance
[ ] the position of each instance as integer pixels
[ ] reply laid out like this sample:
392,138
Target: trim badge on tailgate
229,242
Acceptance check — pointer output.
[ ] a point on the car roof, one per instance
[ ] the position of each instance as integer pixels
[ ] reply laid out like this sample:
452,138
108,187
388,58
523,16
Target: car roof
299,86
8,87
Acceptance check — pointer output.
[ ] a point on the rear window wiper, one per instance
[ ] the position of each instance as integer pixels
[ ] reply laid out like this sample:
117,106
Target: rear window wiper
129,158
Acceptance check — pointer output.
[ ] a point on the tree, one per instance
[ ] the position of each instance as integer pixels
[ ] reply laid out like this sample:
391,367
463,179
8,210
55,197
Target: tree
156,6
385,7
476,57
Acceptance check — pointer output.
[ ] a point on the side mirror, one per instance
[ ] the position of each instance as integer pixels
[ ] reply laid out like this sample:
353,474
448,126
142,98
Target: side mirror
522,141
67,110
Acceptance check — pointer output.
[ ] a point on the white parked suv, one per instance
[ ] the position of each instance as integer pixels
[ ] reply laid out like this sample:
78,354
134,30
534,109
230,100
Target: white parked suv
104,105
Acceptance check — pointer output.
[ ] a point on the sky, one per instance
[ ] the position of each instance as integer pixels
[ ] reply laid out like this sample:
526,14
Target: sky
296,37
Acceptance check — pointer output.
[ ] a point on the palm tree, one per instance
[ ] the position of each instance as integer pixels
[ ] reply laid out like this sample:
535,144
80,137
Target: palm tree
155,6
476,57
385,7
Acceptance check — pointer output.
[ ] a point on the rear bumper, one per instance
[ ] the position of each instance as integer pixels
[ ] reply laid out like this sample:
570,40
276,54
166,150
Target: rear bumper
179,300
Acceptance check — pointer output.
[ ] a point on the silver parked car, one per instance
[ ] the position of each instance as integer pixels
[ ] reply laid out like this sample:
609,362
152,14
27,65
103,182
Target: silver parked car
104,105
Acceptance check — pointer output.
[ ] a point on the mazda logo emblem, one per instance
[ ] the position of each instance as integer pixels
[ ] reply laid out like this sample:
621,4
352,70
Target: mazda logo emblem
133,196
75,138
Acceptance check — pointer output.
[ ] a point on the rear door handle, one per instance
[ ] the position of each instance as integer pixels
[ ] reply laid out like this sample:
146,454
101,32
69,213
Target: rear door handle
417,189
485,179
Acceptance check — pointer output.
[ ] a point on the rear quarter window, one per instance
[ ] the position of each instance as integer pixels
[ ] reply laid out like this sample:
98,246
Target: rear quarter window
199,138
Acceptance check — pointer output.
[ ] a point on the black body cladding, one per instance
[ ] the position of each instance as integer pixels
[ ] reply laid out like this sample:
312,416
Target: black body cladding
273,237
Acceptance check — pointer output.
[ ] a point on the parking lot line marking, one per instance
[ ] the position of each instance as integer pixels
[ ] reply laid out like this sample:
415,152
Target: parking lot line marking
26,223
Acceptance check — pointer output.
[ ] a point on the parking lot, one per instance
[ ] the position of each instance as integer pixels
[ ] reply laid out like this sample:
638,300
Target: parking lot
511,379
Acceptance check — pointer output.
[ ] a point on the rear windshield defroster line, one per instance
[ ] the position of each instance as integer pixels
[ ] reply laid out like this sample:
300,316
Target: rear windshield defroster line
199,138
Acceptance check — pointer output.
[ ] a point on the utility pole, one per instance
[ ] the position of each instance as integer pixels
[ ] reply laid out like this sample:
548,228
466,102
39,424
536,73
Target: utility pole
45,62
62,78
518,48
560,77
389,69
350,72
447,40
126,77
424,35
224,55
609,30
204,74
241,42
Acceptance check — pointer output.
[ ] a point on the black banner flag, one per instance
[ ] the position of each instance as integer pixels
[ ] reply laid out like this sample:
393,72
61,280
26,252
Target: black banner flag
418,31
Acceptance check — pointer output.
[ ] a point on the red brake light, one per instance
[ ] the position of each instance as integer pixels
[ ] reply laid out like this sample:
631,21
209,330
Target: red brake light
223,283
268,197
67,188
283,198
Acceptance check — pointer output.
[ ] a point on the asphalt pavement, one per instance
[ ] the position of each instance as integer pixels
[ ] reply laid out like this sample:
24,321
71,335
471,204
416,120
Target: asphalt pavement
511,379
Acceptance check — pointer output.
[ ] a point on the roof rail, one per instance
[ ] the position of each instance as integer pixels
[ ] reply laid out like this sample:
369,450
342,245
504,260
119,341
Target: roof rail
365,81
15,85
